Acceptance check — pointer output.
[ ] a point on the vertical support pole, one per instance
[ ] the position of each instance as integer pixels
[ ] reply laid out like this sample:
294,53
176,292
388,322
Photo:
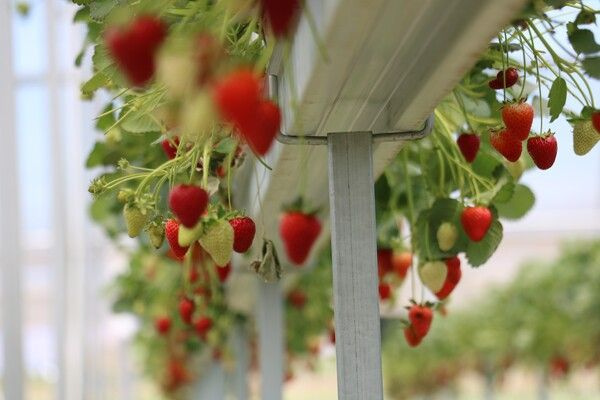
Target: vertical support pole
212,384
355,298
239,343
270,340
10,233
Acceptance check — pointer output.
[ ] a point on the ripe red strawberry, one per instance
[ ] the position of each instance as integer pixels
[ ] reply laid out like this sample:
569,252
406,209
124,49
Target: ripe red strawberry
476,221
507,146
188,203
237,97
172,235
186,309
223,272
420,318
162,325
385,291
243,233
280,15
542,150
260,133
202,326
299,232
468,143
512,76
384,262
297,298
411,337
518,118
401,263
596,121
452,278
134,47
170,149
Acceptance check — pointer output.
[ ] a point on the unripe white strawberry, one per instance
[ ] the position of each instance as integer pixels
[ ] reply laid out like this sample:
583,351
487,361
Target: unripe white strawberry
135,220
197,118
585,137
187,236
446,236
433,275
218,242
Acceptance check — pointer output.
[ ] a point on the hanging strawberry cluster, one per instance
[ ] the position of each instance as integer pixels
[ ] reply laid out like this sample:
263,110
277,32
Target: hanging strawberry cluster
453,192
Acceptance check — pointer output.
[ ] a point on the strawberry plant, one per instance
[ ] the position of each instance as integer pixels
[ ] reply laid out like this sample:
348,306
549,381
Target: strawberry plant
188,108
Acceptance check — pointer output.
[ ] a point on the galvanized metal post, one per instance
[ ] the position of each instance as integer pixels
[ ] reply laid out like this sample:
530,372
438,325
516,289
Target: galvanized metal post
270,340
212,383
240,345
356,301
10,234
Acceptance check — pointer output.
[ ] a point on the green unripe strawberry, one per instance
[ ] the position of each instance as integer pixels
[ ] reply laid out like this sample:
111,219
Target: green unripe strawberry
218,241
156,233
585,137
187,236
135,219
433,275
446,236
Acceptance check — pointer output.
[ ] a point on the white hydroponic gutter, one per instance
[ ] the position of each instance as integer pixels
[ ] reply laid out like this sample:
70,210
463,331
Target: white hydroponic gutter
386,65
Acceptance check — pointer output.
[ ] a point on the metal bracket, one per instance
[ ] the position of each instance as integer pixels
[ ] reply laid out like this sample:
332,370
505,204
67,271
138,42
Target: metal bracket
312,139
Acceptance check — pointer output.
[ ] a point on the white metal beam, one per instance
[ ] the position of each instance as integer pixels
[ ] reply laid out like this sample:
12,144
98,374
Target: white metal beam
10,233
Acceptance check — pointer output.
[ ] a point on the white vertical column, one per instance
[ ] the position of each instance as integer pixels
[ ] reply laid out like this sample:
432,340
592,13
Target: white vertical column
270,340
10,233
356,301
212,384
239,343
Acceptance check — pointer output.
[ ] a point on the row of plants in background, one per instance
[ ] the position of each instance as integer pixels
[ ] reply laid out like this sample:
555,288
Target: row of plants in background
187,109
545,320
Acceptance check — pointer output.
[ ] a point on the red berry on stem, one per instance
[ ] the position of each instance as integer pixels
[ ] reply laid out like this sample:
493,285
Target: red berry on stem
384,262
223,272
401,263
420,318
237,97
299,232
385,291
297,298
411,337
202,326
596,121
452,278
134,47
188,203
542,150
243,233
261,133
172,235
280,15
170,149
186,309
518,118
512,76
468,143
505,144
162,325
476,221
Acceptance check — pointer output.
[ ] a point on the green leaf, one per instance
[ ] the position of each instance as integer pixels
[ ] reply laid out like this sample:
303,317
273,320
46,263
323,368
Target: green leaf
137,122
96,82
100,8
521,202
592,66
585,17
479,252
107,119
557,97
582,40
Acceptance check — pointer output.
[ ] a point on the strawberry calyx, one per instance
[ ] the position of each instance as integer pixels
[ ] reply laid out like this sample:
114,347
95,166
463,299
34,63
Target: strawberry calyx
300,205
